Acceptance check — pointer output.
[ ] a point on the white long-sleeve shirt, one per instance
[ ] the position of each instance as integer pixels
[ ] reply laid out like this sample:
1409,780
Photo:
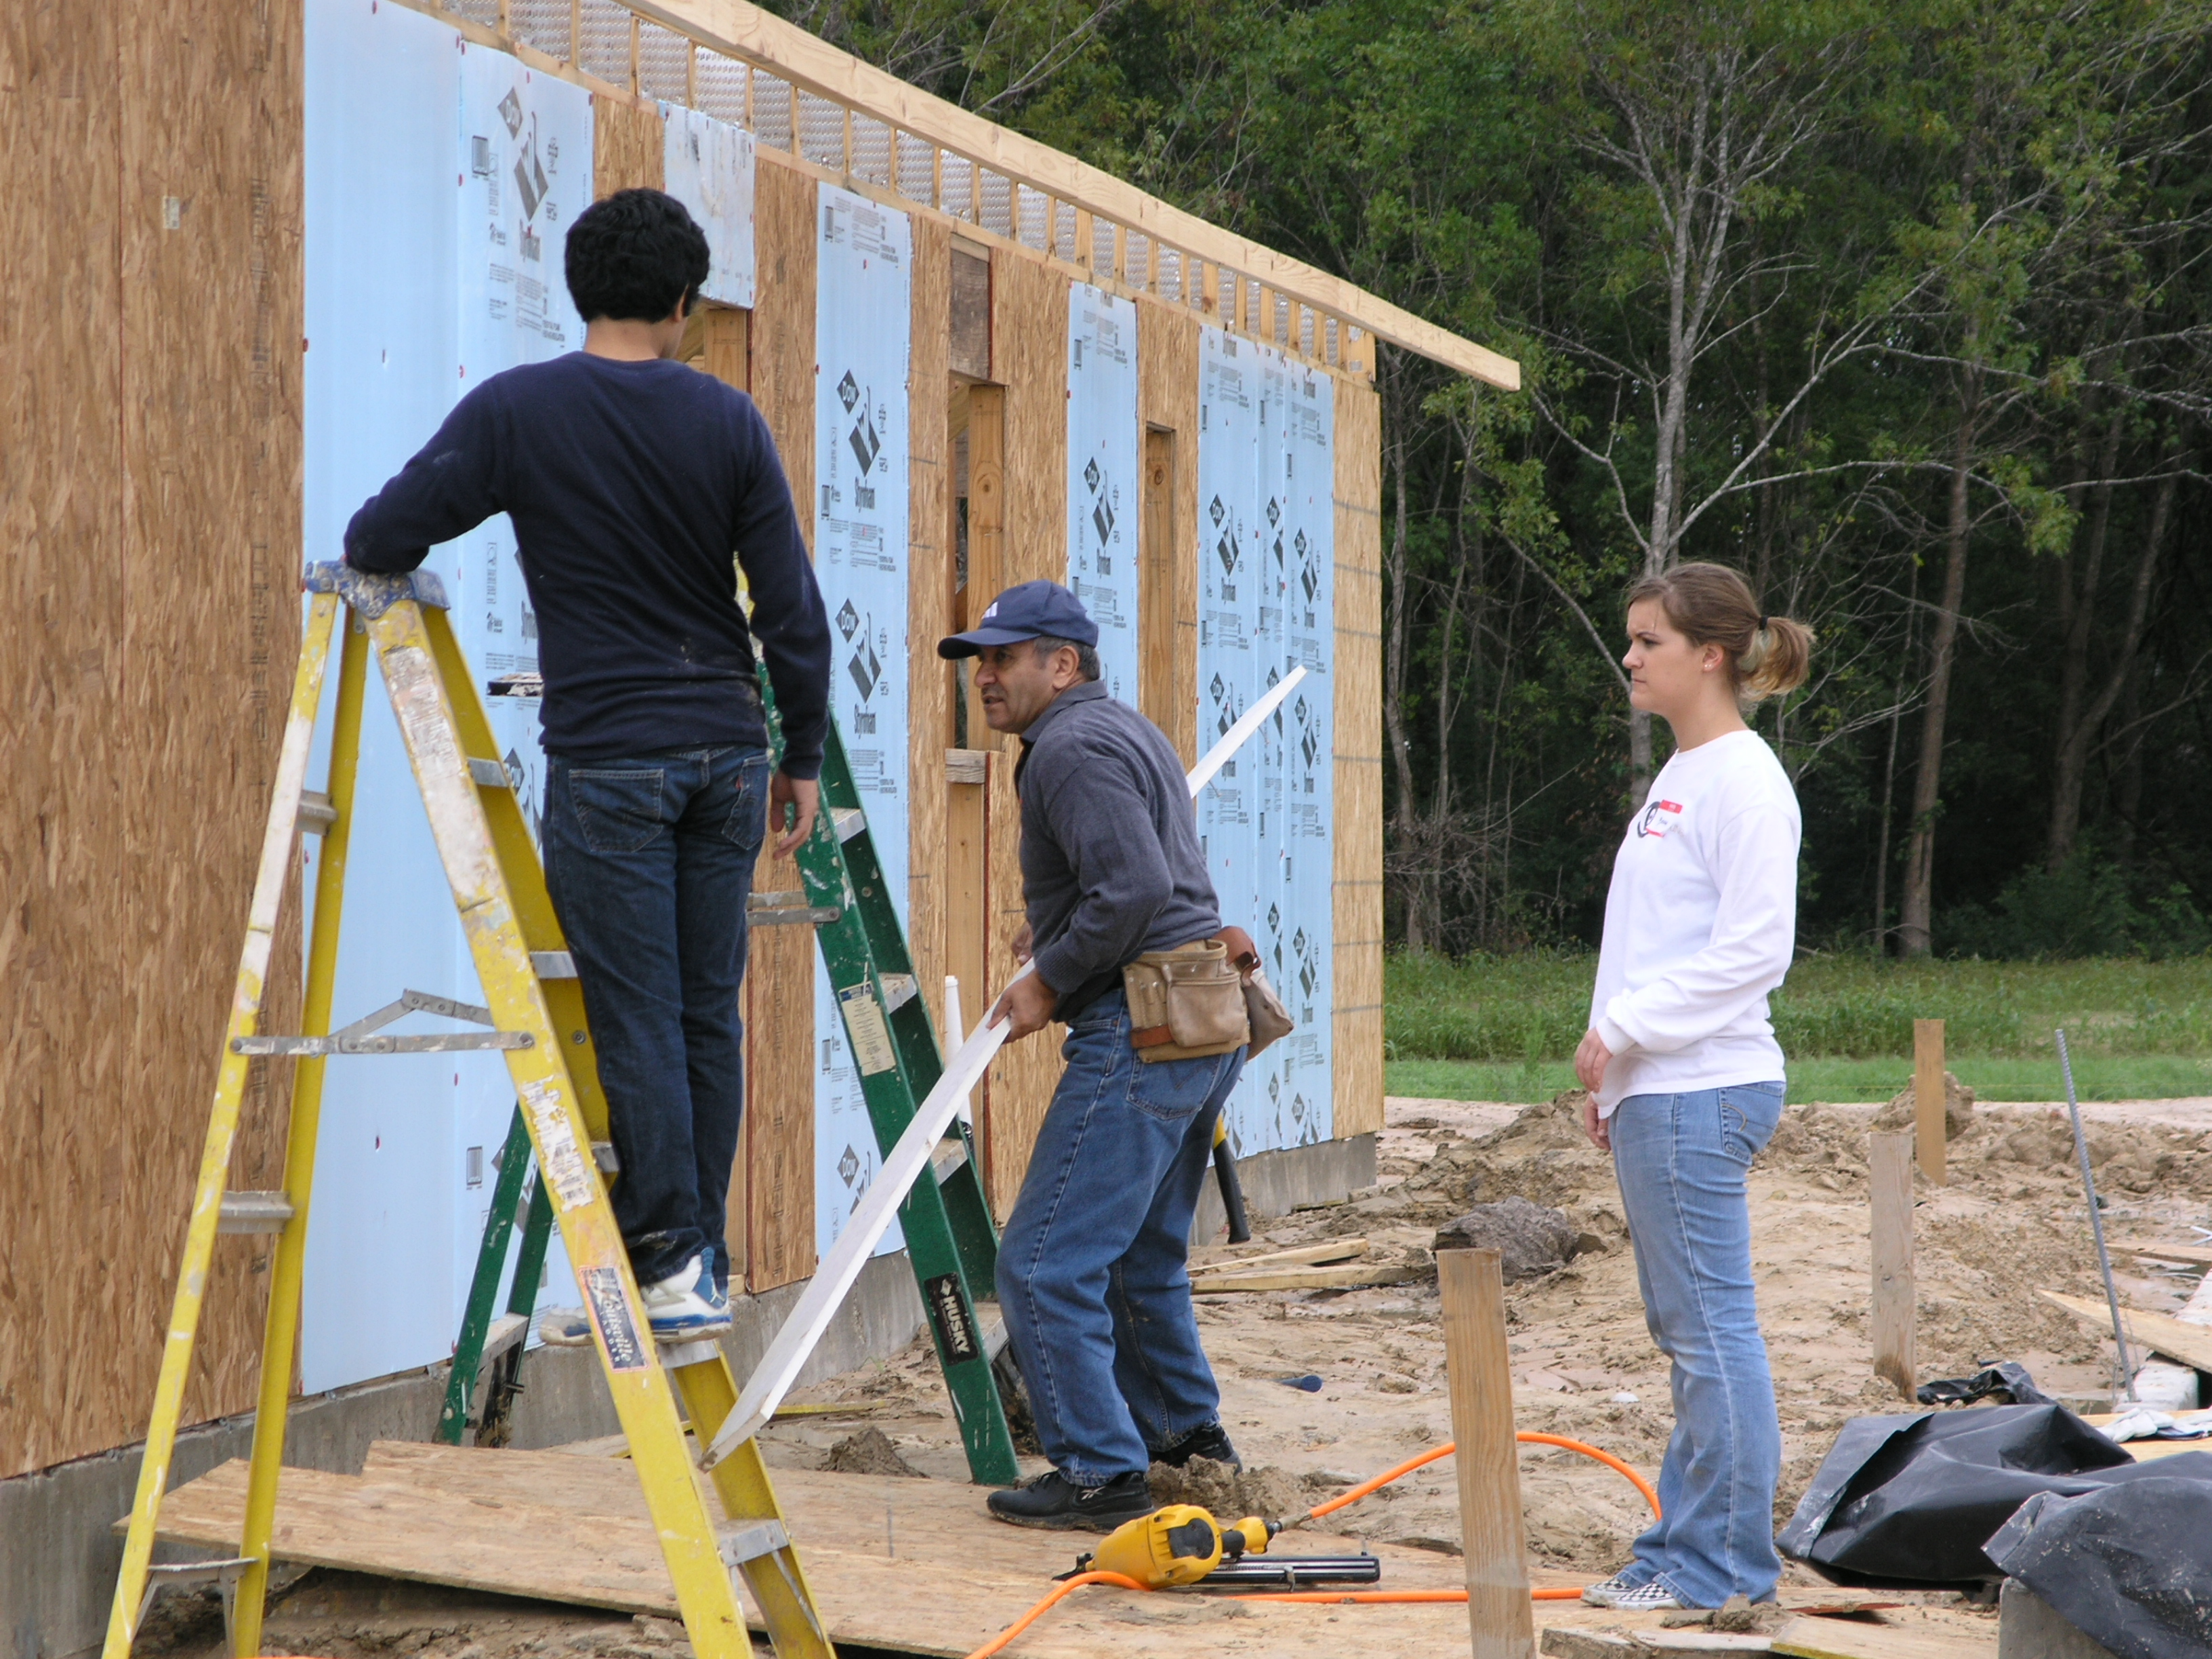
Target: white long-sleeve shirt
1700,924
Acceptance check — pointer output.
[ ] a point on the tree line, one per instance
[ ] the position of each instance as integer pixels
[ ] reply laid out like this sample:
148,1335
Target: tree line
1900,309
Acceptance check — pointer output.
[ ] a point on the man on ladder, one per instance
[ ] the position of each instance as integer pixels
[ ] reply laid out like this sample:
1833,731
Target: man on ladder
631,479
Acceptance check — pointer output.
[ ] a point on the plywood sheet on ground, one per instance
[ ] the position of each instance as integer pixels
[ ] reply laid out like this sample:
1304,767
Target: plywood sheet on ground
911,1566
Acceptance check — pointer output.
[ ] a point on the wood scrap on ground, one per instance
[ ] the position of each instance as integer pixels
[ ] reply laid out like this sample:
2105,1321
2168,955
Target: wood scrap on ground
1335,1250
1304,1279
2191,1345
2199,1254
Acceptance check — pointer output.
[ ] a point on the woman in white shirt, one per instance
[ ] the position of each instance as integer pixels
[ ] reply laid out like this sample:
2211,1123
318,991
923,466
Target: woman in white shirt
1685,1076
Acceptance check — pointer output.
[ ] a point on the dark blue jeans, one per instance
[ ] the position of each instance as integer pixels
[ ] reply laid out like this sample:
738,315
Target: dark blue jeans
649,859
1092,1274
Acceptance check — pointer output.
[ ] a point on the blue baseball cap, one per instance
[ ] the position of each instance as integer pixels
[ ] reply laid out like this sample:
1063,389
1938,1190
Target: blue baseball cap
1027,611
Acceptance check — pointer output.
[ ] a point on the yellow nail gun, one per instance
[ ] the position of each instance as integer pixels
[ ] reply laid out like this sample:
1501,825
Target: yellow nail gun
1179,1544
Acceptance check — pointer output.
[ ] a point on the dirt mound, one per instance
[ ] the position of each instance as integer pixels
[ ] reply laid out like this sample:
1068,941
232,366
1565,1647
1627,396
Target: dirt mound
1902,1112
1271,1493
869,1452
1531,1239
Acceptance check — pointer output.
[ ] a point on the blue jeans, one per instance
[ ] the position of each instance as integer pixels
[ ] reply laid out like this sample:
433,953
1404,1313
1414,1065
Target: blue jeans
1681,1160
1092,1277
649,861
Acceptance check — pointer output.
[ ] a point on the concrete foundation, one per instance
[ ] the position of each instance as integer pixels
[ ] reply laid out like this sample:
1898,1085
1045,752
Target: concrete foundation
1275,1183
59,1551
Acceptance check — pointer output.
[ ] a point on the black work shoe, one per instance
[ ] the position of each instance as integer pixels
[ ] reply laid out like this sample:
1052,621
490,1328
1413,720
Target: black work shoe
1210,1443
1053,1500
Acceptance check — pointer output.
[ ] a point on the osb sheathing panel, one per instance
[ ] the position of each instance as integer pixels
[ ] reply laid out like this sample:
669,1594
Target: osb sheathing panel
1359,827
779,981
929,610
150,486
1167,397
1029,357
627,148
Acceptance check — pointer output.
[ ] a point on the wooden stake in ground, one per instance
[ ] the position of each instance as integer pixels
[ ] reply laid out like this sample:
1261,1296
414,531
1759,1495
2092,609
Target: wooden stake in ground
1480,1373
1889,1164
1928,1096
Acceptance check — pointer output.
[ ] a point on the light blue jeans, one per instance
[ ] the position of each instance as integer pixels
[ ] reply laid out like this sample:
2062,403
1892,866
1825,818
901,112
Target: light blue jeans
1681,1161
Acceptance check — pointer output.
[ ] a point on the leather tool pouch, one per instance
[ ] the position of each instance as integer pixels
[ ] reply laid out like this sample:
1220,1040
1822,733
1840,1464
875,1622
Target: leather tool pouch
1186,1003
1180,1006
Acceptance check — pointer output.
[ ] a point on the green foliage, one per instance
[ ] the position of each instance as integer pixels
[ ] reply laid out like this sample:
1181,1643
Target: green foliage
2083,909
1532,1008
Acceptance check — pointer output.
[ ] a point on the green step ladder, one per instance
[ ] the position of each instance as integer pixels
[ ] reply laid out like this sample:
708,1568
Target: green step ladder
951,1241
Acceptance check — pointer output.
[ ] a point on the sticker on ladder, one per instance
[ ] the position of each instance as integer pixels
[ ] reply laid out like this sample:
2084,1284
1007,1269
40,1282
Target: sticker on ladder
611,1312
558,1154
871,1038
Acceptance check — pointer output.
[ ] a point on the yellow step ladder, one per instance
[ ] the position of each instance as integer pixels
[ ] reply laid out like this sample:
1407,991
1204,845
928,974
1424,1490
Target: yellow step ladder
536,1011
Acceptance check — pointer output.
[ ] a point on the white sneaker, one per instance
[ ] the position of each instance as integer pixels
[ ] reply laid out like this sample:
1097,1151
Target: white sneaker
686,1304
1606,1593
1654,1597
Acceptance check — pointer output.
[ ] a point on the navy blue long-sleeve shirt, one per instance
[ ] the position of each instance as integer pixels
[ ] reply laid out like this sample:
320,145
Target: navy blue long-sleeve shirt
1111,867
630,484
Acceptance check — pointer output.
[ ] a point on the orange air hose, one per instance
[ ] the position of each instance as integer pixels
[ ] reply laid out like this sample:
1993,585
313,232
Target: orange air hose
1365,1487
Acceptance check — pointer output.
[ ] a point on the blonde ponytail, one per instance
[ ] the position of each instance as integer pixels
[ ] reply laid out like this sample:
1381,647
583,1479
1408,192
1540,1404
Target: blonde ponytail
1712,604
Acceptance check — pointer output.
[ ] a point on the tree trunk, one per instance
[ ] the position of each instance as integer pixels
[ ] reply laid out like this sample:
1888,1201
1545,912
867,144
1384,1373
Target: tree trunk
1889,767
1914,935
2077,620
2074,741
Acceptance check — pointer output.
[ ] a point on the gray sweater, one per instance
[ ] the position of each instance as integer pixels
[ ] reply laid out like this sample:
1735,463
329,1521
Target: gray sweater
1110,862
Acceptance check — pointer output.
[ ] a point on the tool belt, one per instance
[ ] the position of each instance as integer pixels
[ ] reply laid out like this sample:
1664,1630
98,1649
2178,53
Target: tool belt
1205,998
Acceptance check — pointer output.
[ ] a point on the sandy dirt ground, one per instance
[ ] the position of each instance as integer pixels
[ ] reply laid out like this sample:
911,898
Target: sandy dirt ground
2010,1221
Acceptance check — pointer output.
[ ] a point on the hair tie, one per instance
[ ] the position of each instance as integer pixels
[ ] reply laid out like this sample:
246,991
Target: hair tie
1763,622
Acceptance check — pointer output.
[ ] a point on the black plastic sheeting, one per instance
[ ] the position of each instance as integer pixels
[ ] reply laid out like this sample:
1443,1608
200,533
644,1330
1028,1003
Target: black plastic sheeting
2006,1383
1907,1502
2130,1567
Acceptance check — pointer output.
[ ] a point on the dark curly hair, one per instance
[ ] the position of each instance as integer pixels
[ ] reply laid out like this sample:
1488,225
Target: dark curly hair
635,255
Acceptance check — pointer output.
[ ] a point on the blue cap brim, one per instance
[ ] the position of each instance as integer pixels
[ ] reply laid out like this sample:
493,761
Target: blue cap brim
971,643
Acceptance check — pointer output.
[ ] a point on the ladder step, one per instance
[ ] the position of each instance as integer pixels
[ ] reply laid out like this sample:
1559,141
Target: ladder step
899,990
254,1212
553,964
749,1540
945,1162
847,821
316,815
506,1331
788,909
489,772
602,1154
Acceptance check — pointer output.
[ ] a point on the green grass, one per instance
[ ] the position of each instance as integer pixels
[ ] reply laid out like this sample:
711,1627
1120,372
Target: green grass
2139,1077
1502,1028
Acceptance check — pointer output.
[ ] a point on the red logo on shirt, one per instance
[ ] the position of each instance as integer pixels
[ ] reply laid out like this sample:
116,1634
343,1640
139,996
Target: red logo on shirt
1658,818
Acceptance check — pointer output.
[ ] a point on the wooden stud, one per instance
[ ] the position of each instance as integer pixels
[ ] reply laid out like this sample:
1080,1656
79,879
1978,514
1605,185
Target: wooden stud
967,895
634,83
575,34
690,71
1157,643
1479,1372
1889,1166
1357,672
987,529
1928,1096
1086,236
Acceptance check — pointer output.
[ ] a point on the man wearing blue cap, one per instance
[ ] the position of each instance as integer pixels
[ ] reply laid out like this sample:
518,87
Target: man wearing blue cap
1092,1276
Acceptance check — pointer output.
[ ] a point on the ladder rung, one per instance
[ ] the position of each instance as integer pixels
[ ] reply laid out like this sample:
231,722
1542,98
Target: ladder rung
602,1154
489,772
788,908
899,990
254,1212
553,964
749,1540
952,1153
316,815
506,1331
847,821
